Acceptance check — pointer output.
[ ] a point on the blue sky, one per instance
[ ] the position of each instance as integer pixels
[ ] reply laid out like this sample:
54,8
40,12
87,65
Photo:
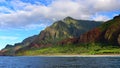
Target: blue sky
20,19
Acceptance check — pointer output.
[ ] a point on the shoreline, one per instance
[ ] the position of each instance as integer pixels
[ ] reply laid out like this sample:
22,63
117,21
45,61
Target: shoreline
71,56
80,55
66,55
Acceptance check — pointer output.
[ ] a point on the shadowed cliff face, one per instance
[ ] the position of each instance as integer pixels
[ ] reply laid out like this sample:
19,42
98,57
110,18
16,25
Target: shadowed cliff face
118,39
91,36
108,32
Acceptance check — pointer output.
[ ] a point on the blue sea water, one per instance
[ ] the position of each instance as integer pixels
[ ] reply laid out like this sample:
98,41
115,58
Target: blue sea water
59,62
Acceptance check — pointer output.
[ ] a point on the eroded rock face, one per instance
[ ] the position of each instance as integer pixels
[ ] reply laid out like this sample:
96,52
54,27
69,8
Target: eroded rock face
91,36
113,31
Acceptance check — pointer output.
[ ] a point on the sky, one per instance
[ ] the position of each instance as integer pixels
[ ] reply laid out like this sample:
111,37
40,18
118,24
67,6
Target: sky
20,19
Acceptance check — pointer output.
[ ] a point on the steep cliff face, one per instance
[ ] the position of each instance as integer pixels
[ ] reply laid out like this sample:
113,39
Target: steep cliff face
28,40
66,28
113,31
91,36
108,32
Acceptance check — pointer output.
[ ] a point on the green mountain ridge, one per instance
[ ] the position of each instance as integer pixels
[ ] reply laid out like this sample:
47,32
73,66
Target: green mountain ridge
59,30
66,28
73,37
11,49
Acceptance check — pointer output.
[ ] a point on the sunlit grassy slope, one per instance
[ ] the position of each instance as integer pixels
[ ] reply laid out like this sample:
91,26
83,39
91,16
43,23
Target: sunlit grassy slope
79,49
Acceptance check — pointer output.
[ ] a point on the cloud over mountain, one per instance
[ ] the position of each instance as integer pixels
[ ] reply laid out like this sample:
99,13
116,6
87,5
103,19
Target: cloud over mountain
19,14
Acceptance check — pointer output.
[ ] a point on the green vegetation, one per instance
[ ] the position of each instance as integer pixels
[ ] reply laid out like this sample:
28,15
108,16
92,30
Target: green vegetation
65,32
66,28
58,31
79,49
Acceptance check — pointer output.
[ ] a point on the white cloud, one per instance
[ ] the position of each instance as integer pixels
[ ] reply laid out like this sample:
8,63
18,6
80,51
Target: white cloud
8,38
107,5
34,26
4,9
101,18
25,14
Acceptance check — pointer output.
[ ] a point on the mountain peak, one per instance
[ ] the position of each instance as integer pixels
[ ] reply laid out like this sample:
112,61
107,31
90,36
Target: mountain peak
68,18
8,46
